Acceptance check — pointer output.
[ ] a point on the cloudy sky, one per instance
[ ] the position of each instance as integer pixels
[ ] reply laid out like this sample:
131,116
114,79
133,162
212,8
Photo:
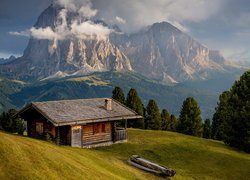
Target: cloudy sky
219,24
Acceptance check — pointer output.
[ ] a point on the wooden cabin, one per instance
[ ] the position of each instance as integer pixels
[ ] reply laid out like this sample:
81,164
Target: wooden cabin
78,123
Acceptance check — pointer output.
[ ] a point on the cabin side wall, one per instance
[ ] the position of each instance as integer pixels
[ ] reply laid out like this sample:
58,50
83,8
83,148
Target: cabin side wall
47,130
41,128
38,126
96,133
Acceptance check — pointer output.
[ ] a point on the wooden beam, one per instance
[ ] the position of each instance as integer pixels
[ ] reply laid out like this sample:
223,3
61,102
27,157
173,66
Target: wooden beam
89,121
81,136
57,136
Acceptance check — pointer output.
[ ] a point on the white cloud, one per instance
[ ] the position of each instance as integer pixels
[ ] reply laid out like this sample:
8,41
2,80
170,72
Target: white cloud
38,33
139,14
142,13
193,10
62,25
70,30
87,11
89,30
84,7
120,20
72,5
84,30
44,33
22,33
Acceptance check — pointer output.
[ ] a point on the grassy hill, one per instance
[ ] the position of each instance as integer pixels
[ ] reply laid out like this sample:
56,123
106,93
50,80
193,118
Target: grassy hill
192,158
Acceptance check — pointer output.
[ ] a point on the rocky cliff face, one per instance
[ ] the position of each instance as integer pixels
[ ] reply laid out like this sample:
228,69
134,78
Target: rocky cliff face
73,56
160,51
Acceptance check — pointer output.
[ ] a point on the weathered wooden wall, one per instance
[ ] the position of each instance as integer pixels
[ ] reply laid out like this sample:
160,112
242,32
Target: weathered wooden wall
32,117
47,128
64,135
76,136
93,133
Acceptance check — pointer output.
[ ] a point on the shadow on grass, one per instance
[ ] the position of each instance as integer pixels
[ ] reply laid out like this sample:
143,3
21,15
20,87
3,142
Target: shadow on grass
187,155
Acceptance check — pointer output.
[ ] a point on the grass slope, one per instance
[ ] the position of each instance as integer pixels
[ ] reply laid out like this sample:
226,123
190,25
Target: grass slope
192,158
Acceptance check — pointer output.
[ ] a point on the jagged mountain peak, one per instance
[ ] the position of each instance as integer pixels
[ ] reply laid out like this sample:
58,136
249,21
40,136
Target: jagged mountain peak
159,26
160,51
72,48
168,54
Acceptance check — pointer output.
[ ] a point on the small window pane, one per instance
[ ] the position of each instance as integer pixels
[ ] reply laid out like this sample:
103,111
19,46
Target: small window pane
39,127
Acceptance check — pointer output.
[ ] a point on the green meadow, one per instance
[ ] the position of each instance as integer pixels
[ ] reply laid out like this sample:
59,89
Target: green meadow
191,157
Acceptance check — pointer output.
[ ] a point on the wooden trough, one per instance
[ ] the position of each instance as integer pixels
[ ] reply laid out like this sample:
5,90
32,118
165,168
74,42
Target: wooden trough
148,166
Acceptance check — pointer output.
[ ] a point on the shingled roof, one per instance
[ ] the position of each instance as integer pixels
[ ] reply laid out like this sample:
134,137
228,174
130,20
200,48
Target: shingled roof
81,111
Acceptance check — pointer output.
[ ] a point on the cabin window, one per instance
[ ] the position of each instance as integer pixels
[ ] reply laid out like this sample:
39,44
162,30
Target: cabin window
95,128
103,128
39,127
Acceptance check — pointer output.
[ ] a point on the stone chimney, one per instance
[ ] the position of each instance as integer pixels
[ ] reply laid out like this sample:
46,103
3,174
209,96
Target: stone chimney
108,104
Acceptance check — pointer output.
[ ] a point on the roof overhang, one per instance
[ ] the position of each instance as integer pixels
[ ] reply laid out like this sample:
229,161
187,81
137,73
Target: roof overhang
31,105
76,122
89,121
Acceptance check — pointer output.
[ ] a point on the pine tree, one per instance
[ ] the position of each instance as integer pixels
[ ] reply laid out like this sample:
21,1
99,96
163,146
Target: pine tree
207,129
118,95
190,119
173,123
219,117
165,120
10,124
18,126
133,101
153,116
6,122
236,116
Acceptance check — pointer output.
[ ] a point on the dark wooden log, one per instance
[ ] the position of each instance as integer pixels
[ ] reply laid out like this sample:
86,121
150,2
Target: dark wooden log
57,136
151,167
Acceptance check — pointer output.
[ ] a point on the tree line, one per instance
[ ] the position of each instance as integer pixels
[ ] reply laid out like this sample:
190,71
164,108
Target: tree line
230,122
189,122
11,124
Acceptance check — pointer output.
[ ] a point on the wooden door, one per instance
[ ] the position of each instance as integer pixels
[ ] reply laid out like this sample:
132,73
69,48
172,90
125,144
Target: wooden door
76,138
